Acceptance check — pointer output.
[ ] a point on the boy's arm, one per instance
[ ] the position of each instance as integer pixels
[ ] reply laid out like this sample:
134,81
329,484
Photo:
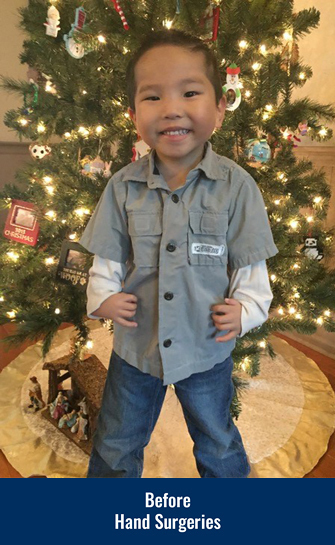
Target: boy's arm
250,285
105,279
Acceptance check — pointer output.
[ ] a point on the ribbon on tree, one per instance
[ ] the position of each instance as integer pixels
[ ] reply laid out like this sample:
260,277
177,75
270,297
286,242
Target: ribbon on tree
120,12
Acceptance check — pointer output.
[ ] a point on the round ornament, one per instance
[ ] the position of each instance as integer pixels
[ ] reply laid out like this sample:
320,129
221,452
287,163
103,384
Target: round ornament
231,89
258,151
39,152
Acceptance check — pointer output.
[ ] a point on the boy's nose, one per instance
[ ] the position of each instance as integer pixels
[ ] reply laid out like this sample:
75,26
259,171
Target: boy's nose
172,110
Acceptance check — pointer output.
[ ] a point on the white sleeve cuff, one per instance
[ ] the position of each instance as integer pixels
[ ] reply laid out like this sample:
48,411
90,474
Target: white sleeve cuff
105,279
251,286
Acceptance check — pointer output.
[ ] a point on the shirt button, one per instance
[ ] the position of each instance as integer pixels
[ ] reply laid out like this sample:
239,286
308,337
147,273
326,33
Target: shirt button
168,296
175,198
167,343
170,247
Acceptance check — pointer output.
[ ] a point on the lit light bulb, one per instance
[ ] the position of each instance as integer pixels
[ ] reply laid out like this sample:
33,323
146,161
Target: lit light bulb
280,175
277,202
310,219
102,39
326,312
269,107
319,320
50,189
127,115
281,311
84,92
23,121
167,23
323,132
47,179
248,94
243,44
73,236
49,261
273,277
263,49
89,344
302,75
294,224
262,344
292,310
57,311
67,135
298,316
51,214
99,129
266,116
41,127
296,266
287,36
13,256
83,131
2,299
256,66
125,50
317,200
11,314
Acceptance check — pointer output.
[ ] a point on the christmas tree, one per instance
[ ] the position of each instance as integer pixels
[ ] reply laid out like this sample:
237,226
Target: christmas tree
75,113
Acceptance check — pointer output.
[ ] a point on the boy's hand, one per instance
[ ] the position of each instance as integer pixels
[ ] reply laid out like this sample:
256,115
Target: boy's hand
227,317
119,307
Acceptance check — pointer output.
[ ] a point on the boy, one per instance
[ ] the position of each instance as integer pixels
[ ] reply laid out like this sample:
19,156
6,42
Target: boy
182,228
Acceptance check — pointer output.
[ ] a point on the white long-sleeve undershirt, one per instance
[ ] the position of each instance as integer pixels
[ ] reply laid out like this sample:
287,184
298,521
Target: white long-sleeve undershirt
250,285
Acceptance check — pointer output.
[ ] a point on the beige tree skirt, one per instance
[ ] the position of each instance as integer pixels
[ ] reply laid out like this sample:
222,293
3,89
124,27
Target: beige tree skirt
287,419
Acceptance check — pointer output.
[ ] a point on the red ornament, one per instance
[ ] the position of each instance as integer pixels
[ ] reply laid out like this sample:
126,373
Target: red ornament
120,12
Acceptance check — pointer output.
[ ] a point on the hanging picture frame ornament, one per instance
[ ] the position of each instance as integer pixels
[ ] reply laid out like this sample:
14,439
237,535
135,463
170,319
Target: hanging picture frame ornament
231,89
75,49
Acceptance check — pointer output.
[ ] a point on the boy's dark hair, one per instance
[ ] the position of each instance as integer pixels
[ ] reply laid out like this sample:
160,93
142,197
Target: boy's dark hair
178,38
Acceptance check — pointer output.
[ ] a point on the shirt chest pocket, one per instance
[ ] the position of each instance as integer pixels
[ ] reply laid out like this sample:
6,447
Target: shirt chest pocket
207,234
145,230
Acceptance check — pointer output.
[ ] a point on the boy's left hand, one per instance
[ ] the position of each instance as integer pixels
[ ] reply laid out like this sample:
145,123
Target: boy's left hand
227,317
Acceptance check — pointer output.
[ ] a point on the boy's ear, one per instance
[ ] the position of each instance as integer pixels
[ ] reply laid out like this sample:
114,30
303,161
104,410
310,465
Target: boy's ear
221,110
132,115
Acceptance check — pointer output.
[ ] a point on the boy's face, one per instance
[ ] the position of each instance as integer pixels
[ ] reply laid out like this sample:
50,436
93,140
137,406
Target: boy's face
175,106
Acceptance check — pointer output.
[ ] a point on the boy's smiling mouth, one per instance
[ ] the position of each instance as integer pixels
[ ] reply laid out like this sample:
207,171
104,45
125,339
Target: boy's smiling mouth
175,133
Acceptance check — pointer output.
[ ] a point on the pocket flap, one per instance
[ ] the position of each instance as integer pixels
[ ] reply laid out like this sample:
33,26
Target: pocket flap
208,223
144,224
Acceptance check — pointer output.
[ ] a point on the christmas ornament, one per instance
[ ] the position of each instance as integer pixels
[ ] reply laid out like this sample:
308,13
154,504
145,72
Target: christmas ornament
49,86
210,22
21,224
52,25
75,49
30,97
140,149
258,151
95,166
303,128
38,151
312,249
72,267
120,12
231,89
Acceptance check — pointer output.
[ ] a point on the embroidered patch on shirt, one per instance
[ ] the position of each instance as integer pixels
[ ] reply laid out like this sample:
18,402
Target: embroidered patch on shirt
207,249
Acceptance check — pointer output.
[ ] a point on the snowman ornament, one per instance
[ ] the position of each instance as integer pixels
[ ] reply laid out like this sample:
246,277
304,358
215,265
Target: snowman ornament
73,47
231,89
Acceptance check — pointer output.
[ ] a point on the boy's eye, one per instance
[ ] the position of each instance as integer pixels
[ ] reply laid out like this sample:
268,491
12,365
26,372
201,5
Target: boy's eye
152,98
190,94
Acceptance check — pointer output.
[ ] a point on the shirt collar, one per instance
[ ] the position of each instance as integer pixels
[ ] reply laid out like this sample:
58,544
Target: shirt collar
145,169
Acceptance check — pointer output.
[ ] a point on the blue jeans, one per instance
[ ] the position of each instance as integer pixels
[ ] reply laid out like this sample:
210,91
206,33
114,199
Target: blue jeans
131,404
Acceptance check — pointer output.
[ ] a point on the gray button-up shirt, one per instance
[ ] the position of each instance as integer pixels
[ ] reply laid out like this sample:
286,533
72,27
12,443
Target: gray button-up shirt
178,247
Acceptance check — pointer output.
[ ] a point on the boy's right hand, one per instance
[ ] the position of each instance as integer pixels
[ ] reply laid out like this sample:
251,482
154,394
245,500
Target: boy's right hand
119,307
